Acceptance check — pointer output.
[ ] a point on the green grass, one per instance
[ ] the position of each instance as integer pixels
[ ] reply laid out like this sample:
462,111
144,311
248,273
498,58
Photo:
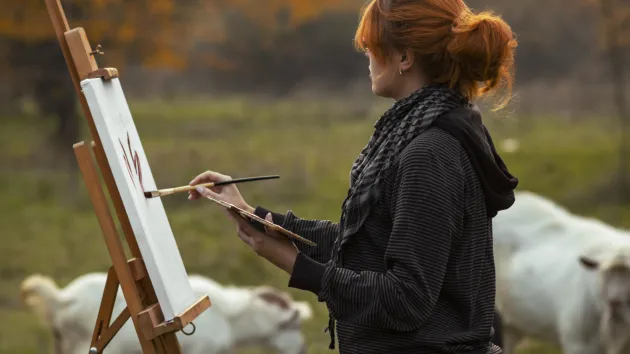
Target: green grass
49,227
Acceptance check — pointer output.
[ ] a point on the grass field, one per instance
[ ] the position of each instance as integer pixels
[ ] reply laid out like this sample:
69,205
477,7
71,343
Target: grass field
49,227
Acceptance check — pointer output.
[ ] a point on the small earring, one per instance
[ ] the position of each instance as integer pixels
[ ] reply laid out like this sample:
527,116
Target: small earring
400,71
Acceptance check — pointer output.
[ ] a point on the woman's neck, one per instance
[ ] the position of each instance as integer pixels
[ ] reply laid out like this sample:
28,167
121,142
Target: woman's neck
409,86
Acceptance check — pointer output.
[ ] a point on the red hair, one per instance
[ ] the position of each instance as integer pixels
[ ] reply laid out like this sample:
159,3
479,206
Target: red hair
473,53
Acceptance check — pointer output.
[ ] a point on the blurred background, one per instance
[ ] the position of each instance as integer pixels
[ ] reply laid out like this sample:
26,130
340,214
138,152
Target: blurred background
250,87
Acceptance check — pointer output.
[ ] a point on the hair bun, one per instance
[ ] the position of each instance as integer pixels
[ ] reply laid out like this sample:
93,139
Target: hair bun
482,44
471,52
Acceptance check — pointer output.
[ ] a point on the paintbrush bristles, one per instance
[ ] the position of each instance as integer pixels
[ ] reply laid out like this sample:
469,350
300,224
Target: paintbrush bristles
159,193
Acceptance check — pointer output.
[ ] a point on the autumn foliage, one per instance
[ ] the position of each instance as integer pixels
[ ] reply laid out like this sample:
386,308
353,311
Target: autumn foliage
162,33
275,44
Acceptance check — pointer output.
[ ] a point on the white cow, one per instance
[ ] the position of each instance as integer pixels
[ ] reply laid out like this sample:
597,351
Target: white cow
238,316
561,278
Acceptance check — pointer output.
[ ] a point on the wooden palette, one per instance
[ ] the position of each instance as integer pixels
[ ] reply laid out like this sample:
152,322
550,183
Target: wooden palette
247,215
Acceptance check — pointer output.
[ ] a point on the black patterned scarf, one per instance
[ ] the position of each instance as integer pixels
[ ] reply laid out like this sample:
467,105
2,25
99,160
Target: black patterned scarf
398,126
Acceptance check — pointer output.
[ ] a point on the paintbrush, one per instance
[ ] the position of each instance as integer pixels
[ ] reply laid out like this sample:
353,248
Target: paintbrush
167,191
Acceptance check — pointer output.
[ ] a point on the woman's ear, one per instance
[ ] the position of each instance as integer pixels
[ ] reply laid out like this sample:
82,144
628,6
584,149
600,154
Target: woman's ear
406,60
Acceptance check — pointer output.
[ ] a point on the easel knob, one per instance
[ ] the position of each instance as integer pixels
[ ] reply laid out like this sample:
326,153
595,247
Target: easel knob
93,350
97,50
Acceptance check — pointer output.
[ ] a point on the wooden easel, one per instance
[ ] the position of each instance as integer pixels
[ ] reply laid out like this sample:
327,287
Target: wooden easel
155,335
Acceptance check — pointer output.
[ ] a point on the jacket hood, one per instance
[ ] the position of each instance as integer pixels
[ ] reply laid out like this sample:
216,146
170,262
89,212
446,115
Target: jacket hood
496,181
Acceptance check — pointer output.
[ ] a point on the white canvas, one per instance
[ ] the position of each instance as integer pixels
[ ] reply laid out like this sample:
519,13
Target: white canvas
133,176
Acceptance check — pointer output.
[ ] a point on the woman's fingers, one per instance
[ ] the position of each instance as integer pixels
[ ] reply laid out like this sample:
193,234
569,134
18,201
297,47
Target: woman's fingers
247,233
209,176
242,234
238,217
234,215
206,177
269,231
205,192
244,224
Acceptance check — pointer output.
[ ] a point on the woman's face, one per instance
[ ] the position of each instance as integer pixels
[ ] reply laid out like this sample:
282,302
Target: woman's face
385,77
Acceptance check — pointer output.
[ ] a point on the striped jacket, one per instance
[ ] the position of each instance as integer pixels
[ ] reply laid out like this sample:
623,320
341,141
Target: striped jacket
419,276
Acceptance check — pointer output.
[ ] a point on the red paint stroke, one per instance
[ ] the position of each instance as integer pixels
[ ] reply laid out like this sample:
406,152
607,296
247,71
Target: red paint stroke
127,162
135,159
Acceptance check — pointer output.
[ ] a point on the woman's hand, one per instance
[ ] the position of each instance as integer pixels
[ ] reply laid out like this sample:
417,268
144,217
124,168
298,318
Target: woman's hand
273,246
227,193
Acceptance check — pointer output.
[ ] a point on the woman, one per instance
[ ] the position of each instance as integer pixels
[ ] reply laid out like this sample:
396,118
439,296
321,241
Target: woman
409,268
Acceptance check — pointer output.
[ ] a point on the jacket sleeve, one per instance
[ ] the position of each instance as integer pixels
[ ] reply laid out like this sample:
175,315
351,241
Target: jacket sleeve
322,232
427,212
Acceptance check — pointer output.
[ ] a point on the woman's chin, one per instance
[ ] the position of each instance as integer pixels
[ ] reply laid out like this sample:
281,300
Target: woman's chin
376,90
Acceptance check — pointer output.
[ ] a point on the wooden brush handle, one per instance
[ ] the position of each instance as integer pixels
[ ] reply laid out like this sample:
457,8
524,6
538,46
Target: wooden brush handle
186,188
213,184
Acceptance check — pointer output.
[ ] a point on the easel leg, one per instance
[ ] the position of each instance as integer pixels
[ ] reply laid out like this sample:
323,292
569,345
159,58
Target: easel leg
103,331
107,305
170,344
116,251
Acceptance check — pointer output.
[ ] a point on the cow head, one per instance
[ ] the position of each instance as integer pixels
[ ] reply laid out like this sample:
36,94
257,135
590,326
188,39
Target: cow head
613,267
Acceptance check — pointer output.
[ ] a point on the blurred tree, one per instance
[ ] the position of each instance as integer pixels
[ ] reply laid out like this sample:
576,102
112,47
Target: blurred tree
553,48
270,46
145,29
34,66
145,33
167,35
615,29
